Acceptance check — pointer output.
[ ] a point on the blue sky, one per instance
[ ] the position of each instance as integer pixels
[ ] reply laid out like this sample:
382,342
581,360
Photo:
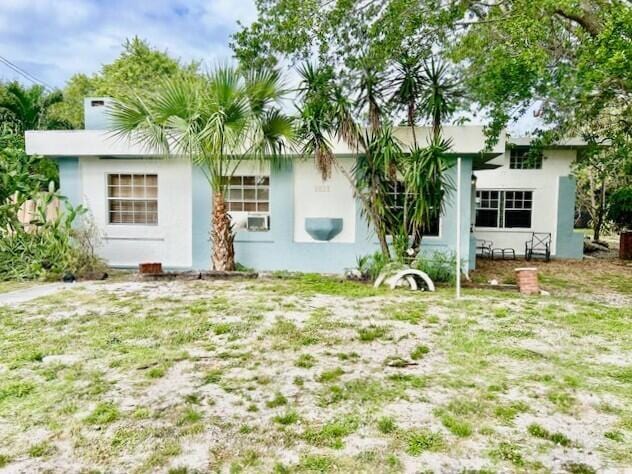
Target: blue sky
53,39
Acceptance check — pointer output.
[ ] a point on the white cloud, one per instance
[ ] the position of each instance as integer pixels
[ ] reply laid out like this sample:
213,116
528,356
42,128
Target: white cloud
54,39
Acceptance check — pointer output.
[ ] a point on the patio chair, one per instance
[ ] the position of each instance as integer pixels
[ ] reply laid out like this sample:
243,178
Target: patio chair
538,246
484,248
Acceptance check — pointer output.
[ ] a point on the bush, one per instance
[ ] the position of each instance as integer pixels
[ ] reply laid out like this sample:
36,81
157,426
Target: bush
372,265
620,208
46,249
439,266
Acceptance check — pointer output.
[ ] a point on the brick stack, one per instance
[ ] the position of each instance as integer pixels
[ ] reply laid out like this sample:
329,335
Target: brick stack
150,268
527,279
625,245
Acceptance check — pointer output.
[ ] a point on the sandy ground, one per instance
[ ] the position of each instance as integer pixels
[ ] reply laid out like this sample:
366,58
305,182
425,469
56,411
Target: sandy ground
300,376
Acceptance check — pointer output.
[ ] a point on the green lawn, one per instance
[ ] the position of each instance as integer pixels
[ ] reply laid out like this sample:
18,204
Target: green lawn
309,374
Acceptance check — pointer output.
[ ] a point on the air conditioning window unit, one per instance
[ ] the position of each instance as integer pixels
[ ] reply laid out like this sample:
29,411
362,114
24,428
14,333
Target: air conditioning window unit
258,222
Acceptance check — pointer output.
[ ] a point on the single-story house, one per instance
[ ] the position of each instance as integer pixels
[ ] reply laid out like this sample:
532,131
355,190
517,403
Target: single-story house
152,208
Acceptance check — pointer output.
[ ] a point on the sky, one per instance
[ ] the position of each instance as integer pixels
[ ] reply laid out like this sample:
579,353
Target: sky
54,39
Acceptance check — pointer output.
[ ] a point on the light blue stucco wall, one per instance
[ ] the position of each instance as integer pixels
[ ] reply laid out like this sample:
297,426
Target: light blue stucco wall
69,178
569,244
276,249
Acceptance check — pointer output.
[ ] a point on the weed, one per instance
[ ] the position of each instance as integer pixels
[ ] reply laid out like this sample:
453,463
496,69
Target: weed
351,356
288,418
419,352
103,414
562,400
386,425
41,450
508,452
540,432
192,398
408,380
614,436
371,333
213,376
578,468
330,375
156,372
395,361
460,428
331,434
363,390
305,361
245,429
189,416
314,463
16,390
418,441
277,401
508,412
4,460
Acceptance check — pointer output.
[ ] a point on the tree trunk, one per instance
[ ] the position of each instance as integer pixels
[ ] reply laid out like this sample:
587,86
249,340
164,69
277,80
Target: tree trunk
600,212
381,236
222,236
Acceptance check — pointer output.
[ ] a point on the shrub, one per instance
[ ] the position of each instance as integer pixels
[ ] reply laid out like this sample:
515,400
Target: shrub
620,208
439,266
372,265
48,248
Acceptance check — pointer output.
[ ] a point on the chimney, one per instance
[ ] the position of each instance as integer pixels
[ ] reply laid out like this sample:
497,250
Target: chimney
95,113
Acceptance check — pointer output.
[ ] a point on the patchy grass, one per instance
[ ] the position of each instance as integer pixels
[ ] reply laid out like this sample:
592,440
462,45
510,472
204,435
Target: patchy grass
419,352
419,441
371,333
139,377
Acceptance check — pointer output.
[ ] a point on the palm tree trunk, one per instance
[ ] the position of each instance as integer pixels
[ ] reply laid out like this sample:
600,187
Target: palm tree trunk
222,236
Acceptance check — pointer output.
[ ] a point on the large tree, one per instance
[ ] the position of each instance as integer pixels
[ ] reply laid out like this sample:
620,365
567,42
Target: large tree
216,120
568,58
140,67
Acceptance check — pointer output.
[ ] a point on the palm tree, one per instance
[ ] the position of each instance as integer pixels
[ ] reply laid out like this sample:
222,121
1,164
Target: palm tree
431,86
326,113
440,94
29,108
216,120
408,82
371,91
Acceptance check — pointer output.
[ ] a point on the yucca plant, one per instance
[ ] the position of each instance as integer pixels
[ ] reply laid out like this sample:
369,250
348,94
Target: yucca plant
217,120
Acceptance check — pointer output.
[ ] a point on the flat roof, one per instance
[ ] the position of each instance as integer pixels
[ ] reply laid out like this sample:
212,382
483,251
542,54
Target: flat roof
466,140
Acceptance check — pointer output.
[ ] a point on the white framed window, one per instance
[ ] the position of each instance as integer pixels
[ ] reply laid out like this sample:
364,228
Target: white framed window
395,202
520,159
132,198
249,194
504,208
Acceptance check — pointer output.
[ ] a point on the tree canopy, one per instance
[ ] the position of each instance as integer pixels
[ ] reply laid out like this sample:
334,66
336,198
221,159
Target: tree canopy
140,67
28,108
568,59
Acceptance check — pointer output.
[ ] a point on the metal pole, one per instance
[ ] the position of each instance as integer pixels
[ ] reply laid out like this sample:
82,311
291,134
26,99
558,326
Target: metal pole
458,227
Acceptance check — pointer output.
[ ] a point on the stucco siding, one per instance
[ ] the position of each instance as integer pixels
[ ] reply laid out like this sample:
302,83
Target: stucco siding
283,247
570,244
543,182
169,241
